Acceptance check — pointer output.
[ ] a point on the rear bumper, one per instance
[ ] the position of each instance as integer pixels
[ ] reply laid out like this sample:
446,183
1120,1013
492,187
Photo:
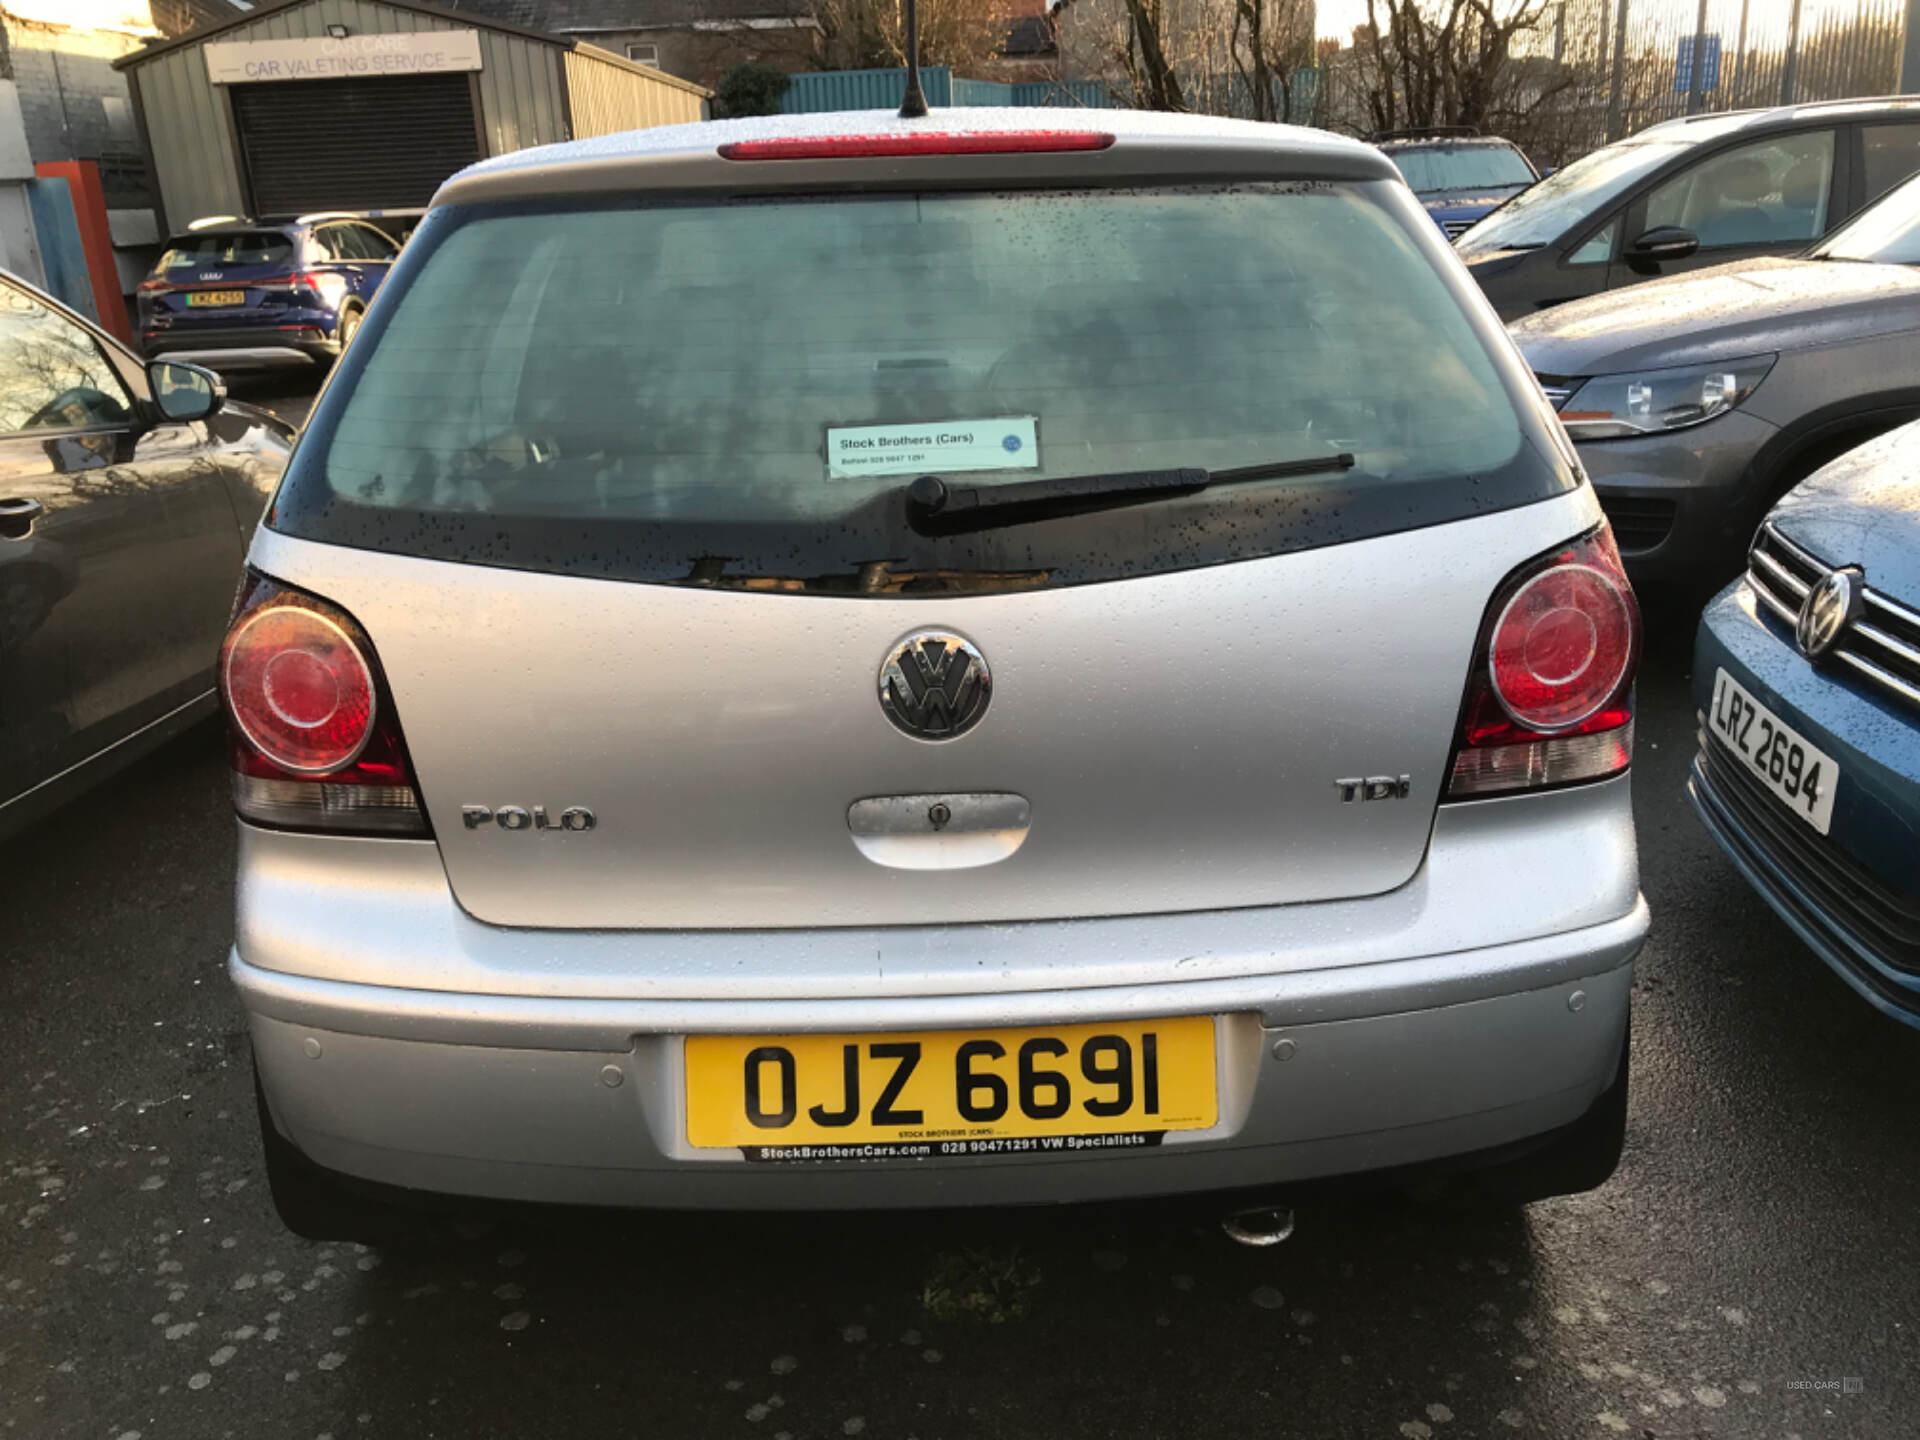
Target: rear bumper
1681,499
537,1124
1457,1014
262,348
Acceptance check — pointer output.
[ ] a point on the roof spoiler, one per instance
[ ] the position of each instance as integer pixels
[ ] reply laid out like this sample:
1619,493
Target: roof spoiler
1428,132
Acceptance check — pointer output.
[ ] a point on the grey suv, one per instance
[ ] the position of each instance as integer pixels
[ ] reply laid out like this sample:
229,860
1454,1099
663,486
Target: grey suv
1692,193
893,663
1697,402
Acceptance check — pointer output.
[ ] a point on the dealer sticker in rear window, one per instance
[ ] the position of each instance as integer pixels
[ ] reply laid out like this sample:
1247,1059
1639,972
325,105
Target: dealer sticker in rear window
1010,442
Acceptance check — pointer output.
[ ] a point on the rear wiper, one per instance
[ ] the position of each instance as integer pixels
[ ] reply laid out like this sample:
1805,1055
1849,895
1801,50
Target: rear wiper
936,508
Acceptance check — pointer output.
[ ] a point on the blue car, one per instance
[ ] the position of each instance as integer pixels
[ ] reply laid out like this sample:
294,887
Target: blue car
1458,174
1807,676
247,296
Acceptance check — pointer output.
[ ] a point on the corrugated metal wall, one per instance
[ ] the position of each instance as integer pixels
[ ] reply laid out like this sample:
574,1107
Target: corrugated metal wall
1069,94
522,97
981,92
609,95
862,90
193,158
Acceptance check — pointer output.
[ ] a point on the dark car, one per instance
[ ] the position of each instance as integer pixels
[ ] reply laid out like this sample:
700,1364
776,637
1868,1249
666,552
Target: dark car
1697,401
128,493
240,295
1689,194
1807,675
1459,175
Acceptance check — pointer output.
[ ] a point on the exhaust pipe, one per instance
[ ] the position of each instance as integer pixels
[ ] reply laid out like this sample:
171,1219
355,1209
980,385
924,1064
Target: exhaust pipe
1260,1226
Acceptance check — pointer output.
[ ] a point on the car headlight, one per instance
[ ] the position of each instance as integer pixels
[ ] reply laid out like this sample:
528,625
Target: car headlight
1649,401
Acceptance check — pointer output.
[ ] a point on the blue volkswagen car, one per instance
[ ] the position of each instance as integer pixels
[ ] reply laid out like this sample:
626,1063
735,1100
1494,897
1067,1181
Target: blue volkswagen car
1807,676
1458,174
246,296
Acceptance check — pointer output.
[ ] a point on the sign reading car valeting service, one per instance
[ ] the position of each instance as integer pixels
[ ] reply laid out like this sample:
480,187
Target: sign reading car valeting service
1010,442
422,52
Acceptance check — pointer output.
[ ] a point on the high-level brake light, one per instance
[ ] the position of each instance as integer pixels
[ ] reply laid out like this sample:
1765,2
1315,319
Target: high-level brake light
932,142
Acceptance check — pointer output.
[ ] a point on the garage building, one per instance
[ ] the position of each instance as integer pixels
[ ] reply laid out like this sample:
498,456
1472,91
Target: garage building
311,105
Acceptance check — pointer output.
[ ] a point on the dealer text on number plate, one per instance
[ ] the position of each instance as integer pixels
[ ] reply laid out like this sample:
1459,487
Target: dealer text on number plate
1802,777
951,1092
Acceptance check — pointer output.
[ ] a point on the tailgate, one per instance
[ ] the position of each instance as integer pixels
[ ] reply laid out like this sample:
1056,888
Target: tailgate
1177,738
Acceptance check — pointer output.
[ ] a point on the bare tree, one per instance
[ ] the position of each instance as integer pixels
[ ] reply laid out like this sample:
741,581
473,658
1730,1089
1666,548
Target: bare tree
1155,84
1271,39
1214,57
861,34
1446,62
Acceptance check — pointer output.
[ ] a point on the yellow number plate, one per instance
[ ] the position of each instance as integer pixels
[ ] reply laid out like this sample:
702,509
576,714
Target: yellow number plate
1058,1088
216,297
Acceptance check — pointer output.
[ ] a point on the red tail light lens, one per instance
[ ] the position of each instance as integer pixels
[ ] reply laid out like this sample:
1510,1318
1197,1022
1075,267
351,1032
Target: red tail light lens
1550,699
299,690
316,742
926,142
1562,645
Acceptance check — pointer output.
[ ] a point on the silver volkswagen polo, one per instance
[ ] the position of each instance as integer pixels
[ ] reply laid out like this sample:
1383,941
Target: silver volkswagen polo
1008,657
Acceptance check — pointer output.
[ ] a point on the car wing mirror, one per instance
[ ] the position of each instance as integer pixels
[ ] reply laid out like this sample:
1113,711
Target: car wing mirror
1664,242
184,392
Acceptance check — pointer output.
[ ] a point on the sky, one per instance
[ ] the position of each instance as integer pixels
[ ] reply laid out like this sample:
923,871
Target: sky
1338,17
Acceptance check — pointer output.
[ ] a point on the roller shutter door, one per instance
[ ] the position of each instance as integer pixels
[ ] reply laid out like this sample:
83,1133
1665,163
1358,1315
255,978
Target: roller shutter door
358,144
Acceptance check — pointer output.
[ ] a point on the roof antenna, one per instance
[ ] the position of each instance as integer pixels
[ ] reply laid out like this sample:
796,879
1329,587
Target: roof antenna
913,105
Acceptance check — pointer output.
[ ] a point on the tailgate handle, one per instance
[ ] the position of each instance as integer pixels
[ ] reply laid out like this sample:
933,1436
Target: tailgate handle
938,814
939,832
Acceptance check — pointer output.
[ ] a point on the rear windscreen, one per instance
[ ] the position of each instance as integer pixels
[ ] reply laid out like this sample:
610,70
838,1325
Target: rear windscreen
250,247
1465,167
740,392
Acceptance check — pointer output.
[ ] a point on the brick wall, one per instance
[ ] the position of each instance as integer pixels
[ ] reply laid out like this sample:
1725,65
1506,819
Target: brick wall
76,105
703,56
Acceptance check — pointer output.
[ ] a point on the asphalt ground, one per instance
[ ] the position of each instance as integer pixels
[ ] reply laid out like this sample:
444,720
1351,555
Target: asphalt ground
1751,1271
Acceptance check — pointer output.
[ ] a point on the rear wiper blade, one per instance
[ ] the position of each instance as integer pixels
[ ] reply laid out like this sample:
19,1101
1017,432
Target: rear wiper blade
935,507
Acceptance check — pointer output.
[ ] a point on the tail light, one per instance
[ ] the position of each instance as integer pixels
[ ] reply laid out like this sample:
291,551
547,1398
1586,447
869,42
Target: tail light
316,740
317,282
1550,698
154,287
